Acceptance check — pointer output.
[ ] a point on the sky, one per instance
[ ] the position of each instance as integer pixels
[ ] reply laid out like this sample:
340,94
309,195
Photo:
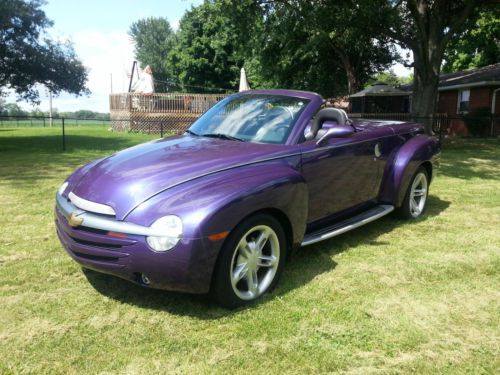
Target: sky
98,30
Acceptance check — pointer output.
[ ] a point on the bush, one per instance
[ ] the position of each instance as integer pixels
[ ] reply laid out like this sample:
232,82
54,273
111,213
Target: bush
478,122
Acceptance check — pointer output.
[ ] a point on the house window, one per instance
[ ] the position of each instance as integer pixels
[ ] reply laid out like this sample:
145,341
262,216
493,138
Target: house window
463,101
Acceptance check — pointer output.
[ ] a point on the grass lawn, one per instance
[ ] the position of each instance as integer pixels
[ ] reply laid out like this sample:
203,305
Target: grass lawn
390,297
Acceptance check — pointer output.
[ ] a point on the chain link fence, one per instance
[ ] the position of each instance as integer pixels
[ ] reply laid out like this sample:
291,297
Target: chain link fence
48,122
73,130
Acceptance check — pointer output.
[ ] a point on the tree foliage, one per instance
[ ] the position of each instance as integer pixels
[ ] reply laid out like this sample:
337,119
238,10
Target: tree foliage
29,58
205,54
14,110
289,53
329,46
324,46
154,40
426,28
477,45
389,77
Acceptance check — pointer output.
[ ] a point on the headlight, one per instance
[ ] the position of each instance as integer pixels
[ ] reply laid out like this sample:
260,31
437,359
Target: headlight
171,229
62,188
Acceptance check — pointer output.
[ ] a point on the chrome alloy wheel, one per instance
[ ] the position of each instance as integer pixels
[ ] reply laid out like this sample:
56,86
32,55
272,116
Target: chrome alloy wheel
255,262
418,194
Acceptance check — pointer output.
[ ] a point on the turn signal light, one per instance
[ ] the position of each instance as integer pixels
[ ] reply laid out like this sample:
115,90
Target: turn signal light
117,234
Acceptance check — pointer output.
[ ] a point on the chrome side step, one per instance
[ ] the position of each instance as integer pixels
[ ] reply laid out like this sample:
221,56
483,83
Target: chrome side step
348,224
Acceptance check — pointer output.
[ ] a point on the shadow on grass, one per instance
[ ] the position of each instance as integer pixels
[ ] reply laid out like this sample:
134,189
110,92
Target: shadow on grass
468,158
53,143
304,265
31,159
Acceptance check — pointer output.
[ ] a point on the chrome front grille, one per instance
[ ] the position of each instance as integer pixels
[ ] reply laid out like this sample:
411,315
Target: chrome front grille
89,206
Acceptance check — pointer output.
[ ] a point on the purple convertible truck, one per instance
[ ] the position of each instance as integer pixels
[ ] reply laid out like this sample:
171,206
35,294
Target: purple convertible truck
219,208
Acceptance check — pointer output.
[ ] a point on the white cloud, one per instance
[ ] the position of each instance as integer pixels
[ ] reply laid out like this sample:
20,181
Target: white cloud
105,54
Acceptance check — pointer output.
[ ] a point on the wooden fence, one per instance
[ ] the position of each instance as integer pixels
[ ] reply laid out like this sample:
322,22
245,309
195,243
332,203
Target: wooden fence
158,112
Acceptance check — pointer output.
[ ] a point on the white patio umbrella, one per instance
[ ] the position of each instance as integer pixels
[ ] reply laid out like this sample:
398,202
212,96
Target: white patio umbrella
244,86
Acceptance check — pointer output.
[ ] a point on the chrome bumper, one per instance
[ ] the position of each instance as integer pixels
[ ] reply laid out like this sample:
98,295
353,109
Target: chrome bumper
90,220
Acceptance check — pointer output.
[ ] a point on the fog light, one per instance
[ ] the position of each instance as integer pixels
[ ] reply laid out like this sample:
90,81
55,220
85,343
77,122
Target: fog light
145,280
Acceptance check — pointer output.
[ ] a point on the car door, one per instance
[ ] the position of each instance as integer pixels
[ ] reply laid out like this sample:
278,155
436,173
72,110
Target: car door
340,174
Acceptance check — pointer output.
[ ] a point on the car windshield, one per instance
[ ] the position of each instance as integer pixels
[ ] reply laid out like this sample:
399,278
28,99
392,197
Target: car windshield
251,118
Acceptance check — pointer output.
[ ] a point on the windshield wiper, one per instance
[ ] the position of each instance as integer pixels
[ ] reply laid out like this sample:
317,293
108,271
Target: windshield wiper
191,132
223,136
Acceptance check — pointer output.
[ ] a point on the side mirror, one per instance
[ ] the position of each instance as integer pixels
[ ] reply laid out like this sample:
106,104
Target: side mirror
337,131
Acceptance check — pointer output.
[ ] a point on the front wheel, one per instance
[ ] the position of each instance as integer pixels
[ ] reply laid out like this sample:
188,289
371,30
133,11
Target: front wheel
250,262
416,196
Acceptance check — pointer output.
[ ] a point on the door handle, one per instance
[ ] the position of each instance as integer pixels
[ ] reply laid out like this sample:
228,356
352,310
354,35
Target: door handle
377,152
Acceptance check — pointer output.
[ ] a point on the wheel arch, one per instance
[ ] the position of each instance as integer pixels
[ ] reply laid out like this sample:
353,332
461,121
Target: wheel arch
276,213
429,168
282,218
284,197
419,151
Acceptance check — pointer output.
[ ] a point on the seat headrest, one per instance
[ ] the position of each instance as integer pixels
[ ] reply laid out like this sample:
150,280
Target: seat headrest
328,114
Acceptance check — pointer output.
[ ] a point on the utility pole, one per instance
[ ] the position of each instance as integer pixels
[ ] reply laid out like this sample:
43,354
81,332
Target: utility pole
111,81
50,108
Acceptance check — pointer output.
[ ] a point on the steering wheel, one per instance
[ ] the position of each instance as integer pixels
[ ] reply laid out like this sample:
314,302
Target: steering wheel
277,120
283,112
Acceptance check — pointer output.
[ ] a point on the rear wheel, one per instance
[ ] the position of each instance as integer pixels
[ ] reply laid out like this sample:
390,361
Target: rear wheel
415,200
250,262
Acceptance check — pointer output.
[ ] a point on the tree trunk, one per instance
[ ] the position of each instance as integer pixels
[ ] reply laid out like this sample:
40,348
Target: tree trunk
428,51
425,91
434,25
353,84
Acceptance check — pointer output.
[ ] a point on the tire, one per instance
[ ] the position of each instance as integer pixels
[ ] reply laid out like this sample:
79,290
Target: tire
415,201
248,267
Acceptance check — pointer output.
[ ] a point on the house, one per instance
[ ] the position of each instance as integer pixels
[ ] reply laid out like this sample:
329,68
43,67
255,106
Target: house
461,95
469,92
380,98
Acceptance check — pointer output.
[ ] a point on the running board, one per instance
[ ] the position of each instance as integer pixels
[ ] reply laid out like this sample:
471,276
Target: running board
348,224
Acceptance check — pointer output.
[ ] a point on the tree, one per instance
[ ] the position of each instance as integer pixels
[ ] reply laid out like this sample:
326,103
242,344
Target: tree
351,28
426,27
290,54
154,39
390,78
205,53
13,109
28,58
477,45
326,45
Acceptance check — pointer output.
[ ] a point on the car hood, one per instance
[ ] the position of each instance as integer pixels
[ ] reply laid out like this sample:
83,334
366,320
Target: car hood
128,178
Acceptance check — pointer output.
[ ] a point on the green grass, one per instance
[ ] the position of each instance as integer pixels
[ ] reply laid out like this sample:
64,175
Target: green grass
390,297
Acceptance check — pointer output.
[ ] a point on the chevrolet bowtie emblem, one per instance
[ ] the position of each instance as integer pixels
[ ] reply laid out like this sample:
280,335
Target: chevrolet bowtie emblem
75,220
